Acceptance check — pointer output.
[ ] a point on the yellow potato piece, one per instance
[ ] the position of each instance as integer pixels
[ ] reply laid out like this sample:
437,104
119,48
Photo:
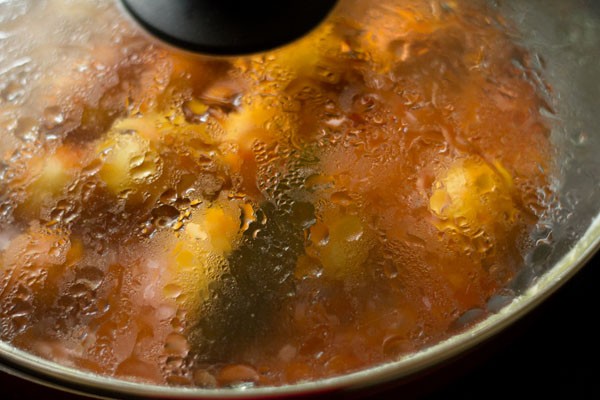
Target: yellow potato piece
192,271
146,127
217,228
128,161
261,118
49,176
53,177
472,195
344,247
198,255
265,113
250,122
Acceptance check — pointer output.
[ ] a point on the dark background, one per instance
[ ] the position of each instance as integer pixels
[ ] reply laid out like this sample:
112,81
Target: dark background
551,352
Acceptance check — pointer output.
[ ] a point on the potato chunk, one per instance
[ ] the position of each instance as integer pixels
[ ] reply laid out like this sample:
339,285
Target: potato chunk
129,161
472,196
47,177
342,243
197,256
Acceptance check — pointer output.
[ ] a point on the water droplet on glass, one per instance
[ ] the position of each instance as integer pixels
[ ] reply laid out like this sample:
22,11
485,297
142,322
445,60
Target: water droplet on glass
92,277
395,345
582,139
12,92
165,216
27,129
498,301
195,112
177,345
53,117
467,319
341,198
238,374
390,269
172,290
204,379
169,196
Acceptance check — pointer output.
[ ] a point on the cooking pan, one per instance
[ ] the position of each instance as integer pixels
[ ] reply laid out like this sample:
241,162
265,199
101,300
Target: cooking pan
563,37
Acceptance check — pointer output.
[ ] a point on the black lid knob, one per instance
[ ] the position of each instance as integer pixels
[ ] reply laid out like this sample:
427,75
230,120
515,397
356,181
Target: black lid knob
229,27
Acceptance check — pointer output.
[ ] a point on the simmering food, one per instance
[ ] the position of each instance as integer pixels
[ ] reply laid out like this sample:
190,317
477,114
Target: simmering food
341,202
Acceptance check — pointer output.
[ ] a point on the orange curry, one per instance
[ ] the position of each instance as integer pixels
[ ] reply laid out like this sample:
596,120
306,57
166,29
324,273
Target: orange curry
335,204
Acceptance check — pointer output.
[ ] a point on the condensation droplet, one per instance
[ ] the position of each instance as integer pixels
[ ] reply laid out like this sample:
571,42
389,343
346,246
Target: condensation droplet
238,374
341,198
12,92
91,276
177,345
468,318
395,345
27,129
173,290
169,196
53,117
390,269
165,216
204,379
